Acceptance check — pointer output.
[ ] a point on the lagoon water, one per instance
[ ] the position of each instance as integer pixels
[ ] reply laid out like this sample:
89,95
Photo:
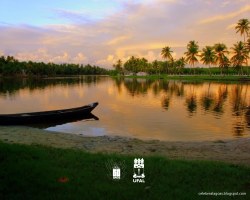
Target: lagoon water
145,109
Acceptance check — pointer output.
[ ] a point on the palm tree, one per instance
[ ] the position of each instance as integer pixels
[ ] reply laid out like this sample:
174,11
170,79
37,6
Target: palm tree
225,63
208,56
240,55
248,44
156,66
192,53
118,66
166,53
180,63
248,49
243,26
221,51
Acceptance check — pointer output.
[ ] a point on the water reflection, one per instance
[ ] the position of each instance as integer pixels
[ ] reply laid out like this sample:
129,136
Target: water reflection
213,98
191,102
207,99
9,86
156,109
220,99
57,122
137,86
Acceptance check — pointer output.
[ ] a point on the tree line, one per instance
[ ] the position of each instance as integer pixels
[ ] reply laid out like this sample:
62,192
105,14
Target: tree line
215,55
10,66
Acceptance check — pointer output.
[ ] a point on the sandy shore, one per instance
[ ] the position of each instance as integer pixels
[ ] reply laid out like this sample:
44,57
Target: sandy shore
232,151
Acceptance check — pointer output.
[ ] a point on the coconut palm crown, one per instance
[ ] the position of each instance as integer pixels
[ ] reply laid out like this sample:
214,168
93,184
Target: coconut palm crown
243,26
192,52
221,51
166,53
208,56
240,55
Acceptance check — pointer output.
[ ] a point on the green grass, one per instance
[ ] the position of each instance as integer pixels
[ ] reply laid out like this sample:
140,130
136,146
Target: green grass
32,172
219,78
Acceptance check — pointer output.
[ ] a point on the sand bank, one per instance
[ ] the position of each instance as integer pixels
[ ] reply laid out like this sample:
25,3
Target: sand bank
235,151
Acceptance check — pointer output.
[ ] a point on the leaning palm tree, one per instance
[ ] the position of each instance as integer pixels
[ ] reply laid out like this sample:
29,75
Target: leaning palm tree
243,26
192,53
220,51
208,56
240,55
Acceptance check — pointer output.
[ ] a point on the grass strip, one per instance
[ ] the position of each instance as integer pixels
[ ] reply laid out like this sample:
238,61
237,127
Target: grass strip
39,172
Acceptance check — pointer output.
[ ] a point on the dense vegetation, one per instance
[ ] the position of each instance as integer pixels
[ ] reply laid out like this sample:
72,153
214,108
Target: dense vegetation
215,55
36,172
11,66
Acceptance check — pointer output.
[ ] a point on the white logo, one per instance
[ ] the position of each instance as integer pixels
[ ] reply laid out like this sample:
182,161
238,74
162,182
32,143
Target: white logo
116,169
139,175
116,172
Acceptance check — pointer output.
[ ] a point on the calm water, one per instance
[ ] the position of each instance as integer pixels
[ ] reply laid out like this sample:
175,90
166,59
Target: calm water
164,110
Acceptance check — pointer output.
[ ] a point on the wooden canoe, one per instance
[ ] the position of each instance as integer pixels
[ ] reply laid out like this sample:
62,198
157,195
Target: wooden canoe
46,116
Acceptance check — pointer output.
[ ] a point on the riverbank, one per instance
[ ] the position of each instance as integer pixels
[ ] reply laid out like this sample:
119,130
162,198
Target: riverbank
216,78
229,151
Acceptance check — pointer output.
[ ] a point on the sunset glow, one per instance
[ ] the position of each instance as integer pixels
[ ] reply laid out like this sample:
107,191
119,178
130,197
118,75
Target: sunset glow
101,31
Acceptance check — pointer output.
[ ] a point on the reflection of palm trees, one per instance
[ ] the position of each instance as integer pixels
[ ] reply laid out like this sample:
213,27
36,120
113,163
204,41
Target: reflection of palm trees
11,86
247,115
180,90
171,88
238,101
240,109
165,102
191,102
156,88
238,128
164,85
207,99
222,96
118,83
176,88
137,86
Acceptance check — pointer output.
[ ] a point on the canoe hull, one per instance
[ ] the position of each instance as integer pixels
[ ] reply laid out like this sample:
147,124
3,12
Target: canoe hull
47,116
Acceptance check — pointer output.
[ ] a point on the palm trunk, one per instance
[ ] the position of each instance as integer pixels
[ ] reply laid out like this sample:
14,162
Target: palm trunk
209,70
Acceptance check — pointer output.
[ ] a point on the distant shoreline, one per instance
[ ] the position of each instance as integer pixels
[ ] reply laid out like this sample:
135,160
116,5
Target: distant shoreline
230,151
237,78
217,78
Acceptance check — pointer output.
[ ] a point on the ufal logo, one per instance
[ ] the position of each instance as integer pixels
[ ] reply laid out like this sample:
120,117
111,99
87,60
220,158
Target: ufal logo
139,175
116,170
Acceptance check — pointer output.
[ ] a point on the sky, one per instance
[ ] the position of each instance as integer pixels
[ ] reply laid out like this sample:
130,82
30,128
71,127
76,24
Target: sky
100,32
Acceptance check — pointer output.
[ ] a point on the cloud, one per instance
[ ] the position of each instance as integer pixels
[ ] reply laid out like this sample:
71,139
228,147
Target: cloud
140,28
227,16
1,53
117,40
75,16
